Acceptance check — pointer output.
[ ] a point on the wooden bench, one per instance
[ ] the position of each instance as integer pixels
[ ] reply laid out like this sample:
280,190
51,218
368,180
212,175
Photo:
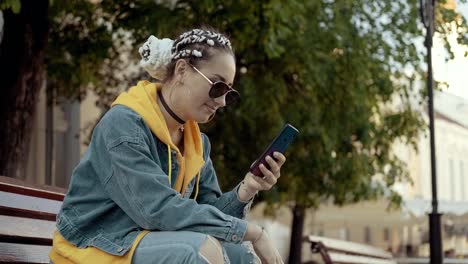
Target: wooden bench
344,252
27,220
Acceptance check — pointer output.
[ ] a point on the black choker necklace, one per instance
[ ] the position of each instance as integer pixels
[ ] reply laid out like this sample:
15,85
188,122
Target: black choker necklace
168,109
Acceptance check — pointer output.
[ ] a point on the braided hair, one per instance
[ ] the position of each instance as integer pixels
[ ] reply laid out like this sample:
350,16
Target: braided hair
195,46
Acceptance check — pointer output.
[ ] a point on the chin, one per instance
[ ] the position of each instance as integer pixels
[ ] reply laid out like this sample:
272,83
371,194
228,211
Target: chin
201,116
204,120
204,116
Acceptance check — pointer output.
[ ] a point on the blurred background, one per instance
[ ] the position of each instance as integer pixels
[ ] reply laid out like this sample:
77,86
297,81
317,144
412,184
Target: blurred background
349,74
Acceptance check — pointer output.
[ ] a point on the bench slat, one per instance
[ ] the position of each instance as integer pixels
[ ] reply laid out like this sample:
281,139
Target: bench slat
27,213
27,220
353,259
23,202
19,253
11,185
350,247
25,227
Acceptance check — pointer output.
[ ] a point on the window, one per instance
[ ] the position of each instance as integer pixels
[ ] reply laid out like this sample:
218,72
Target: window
452,180
462,181
321,232
386,234
344,233
367,235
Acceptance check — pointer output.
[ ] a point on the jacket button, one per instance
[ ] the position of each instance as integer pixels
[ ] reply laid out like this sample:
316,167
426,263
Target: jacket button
119,249
234,238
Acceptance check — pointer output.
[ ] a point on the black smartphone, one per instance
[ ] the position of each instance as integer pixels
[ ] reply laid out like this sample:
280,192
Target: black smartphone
279,144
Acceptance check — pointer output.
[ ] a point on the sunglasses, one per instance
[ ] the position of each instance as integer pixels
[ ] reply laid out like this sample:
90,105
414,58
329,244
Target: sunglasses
220,88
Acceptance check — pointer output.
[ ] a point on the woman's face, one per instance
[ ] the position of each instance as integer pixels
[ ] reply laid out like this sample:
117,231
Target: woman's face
199,106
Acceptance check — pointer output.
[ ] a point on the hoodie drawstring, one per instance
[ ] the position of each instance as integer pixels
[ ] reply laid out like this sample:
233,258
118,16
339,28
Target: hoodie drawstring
169,158
169,164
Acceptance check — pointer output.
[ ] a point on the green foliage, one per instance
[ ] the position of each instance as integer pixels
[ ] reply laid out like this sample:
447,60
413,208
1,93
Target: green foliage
330,68
14,5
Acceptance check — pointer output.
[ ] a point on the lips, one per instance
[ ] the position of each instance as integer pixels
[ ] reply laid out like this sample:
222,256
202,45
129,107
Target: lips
211,108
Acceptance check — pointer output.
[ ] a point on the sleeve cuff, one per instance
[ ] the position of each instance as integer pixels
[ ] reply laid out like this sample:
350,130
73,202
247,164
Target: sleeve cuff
237,231
236,191
235,206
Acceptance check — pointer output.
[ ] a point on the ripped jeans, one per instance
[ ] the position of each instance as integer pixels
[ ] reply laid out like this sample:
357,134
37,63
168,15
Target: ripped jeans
184,247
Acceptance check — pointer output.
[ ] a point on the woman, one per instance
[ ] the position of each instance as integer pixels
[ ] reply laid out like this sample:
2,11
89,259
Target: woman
146,191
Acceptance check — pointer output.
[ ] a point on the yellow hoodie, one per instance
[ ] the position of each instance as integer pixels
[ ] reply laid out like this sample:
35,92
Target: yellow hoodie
142,99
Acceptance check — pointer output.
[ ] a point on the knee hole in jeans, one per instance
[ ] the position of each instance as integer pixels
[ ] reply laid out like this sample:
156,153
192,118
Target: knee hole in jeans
212,251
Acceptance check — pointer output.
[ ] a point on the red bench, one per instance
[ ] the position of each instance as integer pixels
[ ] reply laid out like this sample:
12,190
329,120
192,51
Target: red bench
27,220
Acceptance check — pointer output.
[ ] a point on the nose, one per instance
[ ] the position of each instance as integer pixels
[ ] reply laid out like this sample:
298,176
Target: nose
220,101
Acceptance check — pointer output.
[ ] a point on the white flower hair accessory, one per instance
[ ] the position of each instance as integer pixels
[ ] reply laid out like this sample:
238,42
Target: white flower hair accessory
156,56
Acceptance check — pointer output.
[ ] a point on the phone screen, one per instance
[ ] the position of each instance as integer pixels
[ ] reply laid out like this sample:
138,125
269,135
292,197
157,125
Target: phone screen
279,144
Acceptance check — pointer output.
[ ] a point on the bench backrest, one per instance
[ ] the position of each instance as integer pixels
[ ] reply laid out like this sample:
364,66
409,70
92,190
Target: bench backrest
345,252
27,220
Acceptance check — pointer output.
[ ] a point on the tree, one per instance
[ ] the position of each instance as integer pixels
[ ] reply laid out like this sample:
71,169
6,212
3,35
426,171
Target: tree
331,68
22,52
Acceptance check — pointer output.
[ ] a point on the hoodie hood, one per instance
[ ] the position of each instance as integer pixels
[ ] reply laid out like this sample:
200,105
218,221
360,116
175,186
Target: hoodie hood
143,99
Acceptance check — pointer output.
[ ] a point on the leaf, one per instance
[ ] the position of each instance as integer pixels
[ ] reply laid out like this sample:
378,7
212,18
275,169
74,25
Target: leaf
14,5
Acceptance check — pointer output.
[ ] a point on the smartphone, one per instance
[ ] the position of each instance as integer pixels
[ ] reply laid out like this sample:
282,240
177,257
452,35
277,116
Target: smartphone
279,144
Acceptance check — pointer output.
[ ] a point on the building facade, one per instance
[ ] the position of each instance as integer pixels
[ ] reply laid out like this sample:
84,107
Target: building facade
405,231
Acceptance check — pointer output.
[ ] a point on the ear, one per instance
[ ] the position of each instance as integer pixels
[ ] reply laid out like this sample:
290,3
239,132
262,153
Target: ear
181,69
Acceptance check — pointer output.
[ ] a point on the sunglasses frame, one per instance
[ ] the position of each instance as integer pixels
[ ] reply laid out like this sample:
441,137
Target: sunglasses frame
230,89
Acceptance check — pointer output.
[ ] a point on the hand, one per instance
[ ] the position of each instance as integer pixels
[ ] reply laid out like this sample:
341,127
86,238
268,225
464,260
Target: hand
265,249
270,176
252,184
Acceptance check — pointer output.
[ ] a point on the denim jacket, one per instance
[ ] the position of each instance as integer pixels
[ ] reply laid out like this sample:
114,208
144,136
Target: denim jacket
120,187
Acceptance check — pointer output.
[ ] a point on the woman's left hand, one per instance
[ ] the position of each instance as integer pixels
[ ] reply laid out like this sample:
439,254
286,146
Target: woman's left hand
252,183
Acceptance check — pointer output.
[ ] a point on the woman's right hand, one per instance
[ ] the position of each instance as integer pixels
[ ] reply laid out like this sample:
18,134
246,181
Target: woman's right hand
265,249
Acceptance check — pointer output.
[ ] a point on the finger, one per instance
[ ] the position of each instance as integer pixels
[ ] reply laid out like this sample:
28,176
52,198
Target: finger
261,183
262,178
280,158
274,167
268,176
263,259
280,258
257,180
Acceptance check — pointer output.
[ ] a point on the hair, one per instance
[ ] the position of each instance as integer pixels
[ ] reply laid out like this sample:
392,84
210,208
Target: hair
197,46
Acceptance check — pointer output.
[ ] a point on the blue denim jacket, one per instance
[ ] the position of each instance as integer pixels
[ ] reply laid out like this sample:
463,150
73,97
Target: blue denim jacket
120,187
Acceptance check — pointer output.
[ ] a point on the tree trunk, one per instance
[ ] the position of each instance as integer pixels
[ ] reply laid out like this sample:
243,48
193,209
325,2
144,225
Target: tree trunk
22,51
295,249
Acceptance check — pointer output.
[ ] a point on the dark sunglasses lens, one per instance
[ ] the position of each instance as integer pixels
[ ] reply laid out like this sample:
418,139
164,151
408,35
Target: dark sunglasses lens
219,89
232,97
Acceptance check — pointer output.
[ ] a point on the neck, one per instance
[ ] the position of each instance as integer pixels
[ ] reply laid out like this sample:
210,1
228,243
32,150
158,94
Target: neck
172,124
